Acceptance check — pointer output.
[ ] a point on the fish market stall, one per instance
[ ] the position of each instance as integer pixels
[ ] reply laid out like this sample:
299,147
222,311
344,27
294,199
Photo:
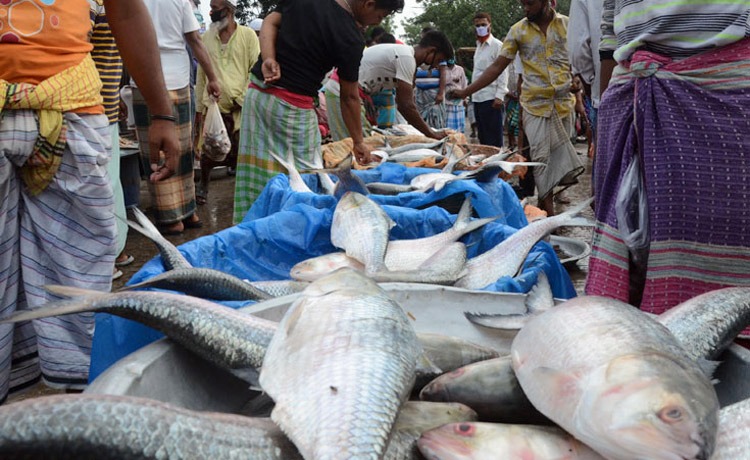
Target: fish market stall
285,227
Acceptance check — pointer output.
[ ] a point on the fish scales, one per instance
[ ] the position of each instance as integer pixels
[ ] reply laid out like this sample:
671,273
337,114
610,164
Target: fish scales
203,282
340,365
617,380
361,228
123,428
733,440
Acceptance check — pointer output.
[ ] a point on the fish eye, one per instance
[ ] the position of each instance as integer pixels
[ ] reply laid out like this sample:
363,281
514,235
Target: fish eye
670,414
464,429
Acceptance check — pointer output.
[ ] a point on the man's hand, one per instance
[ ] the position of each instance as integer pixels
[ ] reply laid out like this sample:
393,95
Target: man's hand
362,153
439,134
497,104
214,89
271,70
439,98
162,140
457,94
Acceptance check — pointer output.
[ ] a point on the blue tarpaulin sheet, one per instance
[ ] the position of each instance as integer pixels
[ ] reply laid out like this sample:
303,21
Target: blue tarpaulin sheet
284,227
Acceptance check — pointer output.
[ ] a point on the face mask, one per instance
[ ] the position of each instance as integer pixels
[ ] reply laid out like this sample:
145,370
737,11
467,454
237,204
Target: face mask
482,31
217,16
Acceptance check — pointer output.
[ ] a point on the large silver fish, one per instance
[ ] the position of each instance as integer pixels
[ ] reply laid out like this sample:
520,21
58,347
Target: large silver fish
317,267
361,227
506,258
494,441
127,428
707,324
733,440
411,254
417,417
490,387
171,257
339,367
296,183
443,267
617,380
215,332
203,282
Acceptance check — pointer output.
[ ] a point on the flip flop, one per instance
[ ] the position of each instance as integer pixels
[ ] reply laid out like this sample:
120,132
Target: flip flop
128,260
192,223
117,274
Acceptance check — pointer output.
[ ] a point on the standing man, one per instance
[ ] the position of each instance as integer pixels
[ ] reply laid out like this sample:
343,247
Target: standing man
174,199
488,101
541,41
57,223
301,41
233,50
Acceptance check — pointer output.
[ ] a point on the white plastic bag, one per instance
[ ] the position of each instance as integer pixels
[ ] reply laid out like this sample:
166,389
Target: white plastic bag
631,208
216,143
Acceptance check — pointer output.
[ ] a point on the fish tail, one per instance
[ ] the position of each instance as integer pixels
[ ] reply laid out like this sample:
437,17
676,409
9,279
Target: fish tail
280,160
145,227
79,301
571,216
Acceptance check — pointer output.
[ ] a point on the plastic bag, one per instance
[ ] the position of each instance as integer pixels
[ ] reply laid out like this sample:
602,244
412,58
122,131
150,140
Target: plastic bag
216,143
631,208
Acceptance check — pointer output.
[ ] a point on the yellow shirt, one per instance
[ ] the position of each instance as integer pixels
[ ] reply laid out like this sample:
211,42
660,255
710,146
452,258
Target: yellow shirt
232,63
546,70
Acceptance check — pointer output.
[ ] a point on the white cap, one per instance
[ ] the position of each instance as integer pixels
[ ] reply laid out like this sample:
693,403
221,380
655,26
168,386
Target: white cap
232,2
255,24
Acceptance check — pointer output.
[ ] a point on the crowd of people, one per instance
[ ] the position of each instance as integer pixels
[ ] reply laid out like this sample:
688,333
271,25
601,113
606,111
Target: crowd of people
666,118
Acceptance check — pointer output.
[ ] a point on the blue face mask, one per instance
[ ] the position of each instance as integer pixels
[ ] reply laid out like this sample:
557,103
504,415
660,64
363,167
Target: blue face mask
483,31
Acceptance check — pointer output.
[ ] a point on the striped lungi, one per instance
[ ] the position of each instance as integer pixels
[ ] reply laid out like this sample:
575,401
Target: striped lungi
173,199
270,124
549,143
689,121
336,118
65,235
456,116
431,112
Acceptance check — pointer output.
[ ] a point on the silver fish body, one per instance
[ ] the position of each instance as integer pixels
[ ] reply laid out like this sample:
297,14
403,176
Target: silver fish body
361,227
320,266
278,288
206,283
386,188
708,323
417,417
506,258
296,183
492,441
732,442
171,257
124,428
490,387
617,380
339,367
444,267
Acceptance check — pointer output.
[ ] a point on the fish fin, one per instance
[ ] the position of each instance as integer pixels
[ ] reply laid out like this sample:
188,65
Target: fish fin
144,226
54,308
426,366
247,374
577,209
511,322
580,222
280,160
708,367
566,383
540,296
70,292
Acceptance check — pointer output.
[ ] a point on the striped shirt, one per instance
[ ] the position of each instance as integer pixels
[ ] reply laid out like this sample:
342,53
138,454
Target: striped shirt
674,28
107,60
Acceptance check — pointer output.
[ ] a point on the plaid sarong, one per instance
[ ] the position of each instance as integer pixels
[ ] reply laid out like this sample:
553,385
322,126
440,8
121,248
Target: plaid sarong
173,199
269,124
456,116
336,118
689,121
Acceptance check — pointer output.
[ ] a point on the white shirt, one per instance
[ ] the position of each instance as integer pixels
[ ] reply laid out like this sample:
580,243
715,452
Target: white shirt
172,20
485,54
584,35
381,67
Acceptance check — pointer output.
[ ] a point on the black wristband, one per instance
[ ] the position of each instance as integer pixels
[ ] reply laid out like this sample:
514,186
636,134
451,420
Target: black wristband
171,118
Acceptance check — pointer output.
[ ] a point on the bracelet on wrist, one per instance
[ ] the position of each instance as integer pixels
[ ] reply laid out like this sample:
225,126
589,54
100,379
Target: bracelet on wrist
171,118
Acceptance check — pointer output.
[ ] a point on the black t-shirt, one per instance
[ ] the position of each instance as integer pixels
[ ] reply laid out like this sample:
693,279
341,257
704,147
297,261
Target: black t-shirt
315,36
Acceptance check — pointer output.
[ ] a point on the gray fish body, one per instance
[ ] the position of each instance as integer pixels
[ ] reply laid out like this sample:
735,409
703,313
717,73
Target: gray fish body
733,440
171,257
489,387
385,188
206,283
415,418
124,428
215,332
339,367
448,353
279,288
444,267
361,227
414,146
506,258
707,324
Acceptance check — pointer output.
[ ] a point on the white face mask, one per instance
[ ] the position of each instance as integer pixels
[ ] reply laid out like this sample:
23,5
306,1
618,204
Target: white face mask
483,31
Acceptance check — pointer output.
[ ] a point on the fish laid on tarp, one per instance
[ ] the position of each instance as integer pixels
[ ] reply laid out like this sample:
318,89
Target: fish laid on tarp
490,387
203,282
123,428
494,441
361,227
411,254
386,188
324,180
417,417
296,183
538,300
444,267
217,333
507,258
317,267
708,323
339,367
733,440
410,156
617,380
171,257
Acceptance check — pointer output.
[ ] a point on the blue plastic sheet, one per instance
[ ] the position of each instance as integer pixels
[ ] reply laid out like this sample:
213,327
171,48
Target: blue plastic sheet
285,227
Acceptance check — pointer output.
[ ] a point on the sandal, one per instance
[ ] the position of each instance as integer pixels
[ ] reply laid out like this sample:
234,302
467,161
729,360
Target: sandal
190,223
127,261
